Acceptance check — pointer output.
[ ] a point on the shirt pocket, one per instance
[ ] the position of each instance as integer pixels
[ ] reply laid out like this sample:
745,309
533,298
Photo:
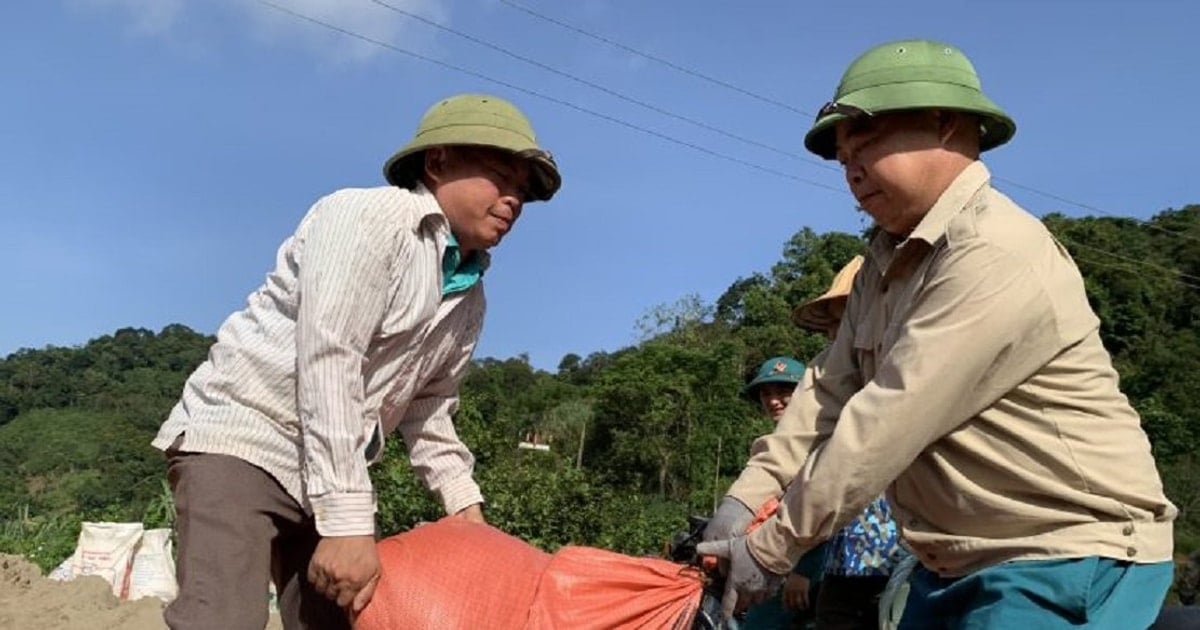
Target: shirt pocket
868,341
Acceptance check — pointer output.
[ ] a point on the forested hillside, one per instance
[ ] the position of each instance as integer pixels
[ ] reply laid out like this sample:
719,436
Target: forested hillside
638,438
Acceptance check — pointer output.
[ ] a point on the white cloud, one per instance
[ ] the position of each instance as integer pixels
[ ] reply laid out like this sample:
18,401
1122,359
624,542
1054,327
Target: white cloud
148,17
171,19
363,17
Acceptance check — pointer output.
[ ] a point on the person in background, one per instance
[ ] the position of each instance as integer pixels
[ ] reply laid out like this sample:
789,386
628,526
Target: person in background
365,326
792,607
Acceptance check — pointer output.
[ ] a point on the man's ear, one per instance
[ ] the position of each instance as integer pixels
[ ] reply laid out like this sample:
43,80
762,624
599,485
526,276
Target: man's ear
949,123
436,161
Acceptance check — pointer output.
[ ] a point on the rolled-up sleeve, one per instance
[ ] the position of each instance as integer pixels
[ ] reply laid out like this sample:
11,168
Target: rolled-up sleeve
979,325
343,280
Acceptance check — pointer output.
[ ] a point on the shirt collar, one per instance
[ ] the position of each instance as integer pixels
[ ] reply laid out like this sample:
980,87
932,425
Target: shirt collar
427,205
956,196
428,210
932,227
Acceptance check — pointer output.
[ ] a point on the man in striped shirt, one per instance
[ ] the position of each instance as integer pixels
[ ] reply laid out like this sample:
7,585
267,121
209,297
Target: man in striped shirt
366,325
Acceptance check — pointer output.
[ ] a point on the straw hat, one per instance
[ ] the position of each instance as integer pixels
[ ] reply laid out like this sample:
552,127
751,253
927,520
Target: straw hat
815,314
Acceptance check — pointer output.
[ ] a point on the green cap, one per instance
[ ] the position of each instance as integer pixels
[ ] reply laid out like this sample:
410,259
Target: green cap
774,370
475,120
906,75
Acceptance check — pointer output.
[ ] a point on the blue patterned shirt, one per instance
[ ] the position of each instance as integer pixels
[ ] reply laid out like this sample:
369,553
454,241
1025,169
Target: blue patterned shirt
869,545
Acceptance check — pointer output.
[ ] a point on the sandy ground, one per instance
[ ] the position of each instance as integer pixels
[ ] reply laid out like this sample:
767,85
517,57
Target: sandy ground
30,601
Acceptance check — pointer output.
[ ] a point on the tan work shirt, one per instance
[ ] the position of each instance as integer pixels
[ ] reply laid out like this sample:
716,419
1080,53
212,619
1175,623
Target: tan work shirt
968,379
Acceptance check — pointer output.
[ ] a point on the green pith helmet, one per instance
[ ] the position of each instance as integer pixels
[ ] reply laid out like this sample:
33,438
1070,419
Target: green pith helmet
912,74
774,370
475,120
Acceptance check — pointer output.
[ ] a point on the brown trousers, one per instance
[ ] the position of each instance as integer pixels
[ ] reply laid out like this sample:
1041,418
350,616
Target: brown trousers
237,529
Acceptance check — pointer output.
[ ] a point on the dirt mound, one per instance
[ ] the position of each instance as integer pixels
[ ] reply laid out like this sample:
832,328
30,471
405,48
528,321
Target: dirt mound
29,600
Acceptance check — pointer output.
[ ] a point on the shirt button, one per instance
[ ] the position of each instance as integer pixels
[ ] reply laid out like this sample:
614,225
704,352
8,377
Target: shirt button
1130,551
1128,531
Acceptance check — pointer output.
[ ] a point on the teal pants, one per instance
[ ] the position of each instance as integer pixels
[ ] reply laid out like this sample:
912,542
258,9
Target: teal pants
1095,593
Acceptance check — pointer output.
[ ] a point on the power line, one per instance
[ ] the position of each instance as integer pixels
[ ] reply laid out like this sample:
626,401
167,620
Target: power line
721,83
1085,206
596,86
660,60
654,133
767,99
1135,261
558,101
1133,271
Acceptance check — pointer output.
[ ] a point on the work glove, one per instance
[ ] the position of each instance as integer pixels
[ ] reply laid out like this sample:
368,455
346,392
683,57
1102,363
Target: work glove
747,583
731,519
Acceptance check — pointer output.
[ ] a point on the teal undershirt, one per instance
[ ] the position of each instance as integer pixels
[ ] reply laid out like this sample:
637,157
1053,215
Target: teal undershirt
458,274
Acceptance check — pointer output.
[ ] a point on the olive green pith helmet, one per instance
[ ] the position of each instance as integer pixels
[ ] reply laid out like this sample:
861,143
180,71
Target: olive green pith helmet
475,120
907,75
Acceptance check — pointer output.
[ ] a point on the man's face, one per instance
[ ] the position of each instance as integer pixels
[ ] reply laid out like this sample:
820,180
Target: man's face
774,398
888,167
481,191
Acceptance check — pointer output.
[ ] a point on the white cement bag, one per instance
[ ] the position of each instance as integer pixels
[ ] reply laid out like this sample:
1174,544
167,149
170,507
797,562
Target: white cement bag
106,549
63,572
153,570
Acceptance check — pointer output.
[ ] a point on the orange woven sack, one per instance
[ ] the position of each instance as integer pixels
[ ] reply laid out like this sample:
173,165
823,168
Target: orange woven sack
453,574
586,588
456,574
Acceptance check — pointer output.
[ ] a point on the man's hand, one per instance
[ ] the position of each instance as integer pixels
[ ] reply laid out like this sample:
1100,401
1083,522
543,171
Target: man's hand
795,592
473,513
346,570
748,583
731,519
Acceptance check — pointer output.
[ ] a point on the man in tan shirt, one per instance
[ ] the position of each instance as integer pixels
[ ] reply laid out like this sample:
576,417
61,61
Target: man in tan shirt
968,381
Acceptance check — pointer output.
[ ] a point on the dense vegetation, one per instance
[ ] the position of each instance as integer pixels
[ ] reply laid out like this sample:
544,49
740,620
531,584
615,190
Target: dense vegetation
639,437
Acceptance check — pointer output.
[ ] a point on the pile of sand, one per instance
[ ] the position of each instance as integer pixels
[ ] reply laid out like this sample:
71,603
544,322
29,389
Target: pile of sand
28,600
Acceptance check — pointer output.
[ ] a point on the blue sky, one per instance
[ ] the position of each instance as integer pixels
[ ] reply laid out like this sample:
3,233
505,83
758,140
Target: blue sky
156,152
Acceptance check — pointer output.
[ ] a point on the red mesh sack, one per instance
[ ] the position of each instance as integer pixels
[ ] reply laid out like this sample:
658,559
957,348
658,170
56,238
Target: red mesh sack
585,588
453,574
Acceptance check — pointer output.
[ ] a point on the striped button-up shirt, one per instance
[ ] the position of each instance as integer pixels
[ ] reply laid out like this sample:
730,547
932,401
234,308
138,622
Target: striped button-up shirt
348,339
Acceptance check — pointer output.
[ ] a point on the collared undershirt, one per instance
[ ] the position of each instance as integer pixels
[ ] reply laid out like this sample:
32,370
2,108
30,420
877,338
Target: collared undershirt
457,274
